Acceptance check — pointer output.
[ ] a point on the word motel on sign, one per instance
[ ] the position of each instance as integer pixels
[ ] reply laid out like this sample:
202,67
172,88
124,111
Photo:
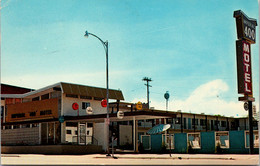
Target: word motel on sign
247,67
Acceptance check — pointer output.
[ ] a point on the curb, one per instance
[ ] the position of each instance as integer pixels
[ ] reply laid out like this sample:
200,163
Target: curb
173,158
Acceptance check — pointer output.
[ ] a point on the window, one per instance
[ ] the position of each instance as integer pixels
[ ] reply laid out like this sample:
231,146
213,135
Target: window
222,139
98,98
25,126
46,96
146,141
72,96
202,122
168,140
35,125
16,126
196,121
8,127
86,97
18,115
68,131
223,124
85,105
89,124
255,137
178,121
36,99
45,112
2,111
194,140
32,113
169,120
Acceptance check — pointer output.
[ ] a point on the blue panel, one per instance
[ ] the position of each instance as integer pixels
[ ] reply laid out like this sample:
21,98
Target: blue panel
156,141
237,142
180,143
207,142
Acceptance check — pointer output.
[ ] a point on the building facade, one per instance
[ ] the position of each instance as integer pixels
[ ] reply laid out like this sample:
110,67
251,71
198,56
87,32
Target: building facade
48,116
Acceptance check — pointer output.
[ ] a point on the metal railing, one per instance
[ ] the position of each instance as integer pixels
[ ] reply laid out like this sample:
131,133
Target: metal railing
84,140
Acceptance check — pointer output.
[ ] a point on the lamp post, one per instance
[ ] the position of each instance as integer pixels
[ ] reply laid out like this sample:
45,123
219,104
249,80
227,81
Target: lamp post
105,45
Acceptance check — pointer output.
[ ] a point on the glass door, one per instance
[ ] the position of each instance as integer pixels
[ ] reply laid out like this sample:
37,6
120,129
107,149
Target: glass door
82,134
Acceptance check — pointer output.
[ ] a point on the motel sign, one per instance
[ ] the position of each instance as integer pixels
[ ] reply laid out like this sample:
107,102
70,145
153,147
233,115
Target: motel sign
244,72
246,36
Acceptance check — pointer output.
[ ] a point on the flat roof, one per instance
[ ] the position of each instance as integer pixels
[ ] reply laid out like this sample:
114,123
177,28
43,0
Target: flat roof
74,89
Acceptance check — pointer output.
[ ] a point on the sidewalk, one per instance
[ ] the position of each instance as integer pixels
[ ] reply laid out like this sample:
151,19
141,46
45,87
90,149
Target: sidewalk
130,159
181,156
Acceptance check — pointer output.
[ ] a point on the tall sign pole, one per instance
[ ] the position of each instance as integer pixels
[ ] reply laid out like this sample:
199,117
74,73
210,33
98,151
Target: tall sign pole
246,34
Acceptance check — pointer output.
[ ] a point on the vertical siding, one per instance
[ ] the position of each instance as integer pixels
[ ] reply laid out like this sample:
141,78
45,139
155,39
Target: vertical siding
237,142
207,142
180,143
156,143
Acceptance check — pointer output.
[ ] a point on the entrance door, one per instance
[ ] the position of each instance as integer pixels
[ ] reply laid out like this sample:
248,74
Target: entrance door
82,134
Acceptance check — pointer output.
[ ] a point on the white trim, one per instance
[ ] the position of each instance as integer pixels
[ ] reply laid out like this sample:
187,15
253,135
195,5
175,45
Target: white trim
255,131
199,140
172,140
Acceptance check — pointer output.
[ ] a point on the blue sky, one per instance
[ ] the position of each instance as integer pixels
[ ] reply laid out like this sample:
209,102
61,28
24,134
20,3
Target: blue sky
187,47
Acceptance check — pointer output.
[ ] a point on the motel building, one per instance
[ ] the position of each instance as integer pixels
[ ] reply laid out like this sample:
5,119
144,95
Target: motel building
47,121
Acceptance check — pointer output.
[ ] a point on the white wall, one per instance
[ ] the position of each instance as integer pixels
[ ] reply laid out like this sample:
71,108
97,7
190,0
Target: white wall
68,111
125,136
69,137
99,134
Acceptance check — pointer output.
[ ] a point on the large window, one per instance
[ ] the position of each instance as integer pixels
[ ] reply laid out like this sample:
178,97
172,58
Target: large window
255,137
222,139
168,140
194,140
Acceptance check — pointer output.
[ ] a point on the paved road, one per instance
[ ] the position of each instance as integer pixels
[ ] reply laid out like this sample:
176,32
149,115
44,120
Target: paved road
129,159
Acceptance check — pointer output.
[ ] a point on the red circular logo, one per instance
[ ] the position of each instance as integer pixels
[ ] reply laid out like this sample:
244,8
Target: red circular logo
75,106
104,103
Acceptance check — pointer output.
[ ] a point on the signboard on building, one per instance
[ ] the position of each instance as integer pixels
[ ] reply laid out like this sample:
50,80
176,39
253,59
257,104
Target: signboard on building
244,72
245,27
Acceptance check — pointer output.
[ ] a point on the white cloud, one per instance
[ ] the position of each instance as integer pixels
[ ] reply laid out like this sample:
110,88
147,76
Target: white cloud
205,99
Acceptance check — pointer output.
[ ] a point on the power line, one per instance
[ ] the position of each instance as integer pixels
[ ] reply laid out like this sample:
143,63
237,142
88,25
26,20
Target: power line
147,85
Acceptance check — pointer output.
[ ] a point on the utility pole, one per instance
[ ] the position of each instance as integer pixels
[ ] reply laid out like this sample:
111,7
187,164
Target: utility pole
147,85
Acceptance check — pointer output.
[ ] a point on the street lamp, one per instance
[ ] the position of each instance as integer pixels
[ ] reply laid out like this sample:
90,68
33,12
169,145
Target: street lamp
105,45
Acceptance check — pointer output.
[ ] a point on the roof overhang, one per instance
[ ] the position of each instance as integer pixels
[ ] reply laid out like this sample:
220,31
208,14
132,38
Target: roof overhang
100,118
128,116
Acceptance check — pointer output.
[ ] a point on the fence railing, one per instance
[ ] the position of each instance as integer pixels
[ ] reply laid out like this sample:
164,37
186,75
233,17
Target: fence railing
84,140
